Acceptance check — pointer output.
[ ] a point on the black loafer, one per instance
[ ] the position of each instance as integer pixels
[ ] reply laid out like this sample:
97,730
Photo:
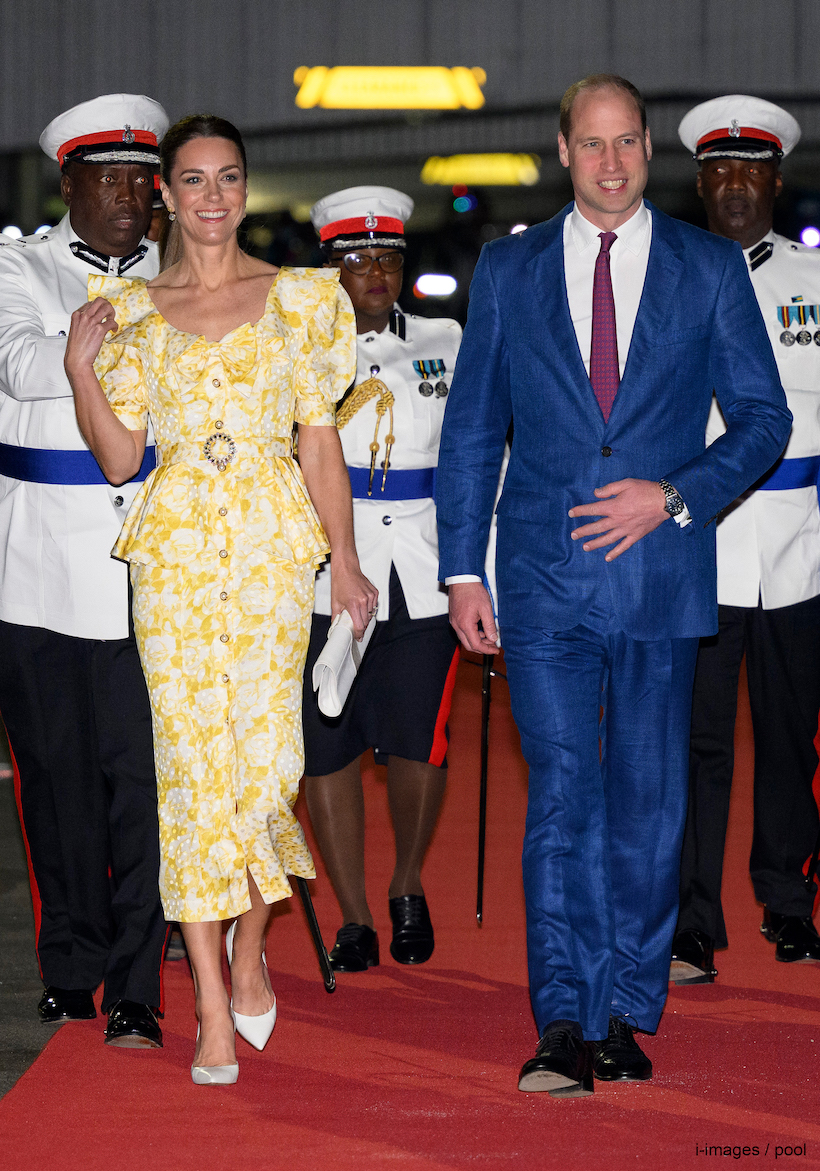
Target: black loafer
693,953
619,1058
413,940
562,1065
356,949
796,940
65,1004
133,1026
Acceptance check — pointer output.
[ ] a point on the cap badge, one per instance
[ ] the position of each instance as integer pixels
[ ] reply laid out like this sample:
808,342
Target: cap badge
734,129
370,220
128,134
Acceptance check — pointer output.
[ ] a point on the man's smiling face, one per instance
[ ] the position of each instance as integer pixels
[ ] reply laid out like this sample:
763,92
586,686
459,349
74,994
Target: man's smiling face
607,153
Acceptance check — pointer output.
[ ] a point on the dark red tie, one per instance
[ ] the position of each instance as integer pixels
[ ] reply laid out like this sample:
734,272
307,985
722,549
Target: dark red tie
604,373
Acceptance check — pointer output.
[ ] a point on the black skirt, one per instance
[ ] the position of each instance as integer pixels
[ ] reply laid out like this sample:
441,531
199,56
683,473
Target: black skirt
400,701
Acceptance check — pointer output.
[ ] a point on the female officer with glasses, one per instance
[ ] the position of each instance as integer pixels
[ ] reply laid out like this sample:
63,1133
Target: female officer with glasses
389,424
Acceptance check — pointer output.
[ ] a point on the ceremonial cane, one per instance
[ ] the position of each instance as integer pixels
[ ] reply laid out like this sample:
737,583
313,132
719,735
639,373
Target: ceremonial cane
812,870
486,682
328,975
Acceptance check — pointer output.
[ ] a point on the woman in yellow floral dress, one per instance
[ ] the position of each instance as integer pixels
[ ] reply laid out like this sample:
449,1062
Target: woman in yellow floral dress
222,353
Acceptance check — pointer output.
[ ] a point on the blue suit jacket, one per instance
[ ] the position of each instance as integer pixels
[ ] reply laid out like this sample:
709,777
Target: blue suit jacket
698,328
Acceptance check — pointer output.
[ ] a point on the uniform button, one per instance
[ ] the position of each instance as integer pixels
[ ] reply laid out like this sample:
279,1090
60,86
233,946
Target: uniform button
224,637
219,424
606,451
224,678
223,552
387,520
216,382
223,512
224,596
118,501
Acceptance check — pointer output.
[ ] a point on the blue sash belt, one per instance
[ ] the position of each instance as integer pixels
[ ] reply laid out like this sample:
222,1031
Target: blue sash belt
793,473
412,484
41,465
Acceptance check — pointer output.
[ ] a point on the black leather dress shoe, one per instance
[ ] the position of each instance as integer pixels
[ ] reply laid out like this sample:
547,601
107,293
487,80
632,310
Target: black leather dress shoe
65,1004
562,1065
133,1026
796,940
693,953
413,940
619,1058
356,949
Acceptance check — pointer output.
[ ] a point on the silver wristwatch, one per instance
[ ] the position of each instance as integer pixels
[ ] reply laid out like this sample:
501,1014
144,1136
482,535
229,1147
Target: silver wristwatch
674,502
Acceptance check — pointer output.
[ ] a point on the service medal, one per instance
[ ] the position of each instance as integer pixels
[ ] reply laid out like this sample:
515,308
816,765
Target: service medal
804,338
442,389
787,338
817,338
426,388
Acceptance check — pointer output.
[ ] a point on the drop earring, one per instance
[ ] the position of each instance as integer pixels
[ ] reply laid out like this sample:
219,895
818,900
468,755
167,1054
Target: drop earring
172,215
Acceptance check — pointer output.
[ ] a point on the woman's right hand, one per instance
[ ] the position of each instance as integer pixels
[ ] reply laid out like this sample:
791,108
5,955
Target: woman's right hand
89,325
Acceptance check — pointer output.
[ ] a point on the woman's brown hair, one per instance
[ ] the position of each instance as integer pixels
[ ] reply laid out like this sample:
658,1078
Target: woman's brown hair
184,131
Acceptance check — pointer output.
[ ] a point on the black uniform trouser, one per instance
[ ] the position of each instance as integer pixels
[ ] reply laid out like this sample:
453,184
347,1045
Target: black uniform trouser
783,666
79,725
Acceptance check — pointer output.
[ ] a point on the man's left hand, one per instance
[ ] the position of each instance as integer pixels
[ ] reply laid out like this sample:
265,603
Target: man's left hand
633,508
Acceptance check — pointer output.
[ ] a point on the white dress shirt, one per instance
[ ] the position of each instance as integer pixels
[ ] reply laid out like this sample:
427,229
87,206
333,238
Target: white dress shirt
628,259
56,568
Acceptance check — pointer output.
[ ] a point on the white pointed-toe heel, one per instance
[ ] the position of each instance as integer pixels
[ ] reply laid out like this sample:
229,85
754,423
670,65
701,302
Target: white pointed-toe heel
214,1075
255,1029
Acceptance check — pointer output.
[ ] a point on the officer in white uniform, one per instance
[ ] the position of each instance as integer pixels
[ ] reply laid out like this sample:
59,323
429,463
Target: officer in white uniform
72,694
768,555
389,424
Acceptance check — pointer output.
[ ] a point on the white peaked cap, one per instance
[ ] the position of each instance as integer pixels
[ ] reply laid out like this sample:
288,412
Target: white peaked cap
361,216
114,128
739,126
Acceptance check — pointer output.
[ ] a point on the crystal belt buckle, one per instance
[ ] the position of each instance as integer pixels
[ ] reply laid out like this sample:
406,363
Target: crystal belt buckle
225,449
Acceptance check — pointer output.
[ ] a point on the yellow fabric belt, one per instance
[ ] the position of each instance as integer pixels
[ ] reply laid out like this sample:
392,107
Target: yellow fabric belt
220,448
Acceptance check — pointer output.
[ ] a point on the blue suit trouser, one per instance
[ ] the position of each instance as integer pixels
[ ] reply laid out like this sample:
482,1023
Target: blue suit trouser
605,816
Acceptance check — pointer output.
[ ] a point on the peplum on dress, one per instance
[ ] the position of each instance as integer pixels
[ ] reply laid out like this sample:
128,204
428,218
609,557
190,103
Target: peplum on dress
223,543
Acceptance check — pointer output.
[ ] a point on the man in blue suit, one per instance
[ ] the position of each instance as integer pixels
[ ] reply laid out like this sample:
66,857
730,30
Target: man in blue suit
601,336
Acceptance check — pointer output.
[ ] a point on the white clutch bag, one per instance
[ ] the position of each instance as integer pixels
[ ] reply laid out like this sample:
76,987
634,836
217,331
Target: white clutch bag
338,664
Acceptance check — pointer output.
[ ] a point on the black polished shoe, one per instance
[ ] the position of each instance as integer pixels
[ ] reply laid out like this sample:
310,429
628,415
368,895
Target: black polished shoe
619,1058
796,940
413,941
693,953
65,1004
356,949
562,1065
133,1026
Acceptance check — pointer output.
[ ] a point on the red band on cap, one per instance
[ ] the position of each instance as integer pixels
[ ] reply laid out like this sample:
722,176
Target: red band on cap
382,223
106,138
741,132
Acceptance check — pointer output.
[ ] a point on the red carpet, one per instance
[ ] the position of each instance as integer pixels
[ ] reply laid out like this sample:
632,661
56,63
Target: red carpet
417,1067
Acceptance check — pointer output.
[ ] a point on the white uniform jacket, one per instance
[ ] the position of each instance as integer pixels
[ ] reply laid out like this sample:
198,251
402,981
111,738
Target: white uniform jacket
400,532
56,569
768,542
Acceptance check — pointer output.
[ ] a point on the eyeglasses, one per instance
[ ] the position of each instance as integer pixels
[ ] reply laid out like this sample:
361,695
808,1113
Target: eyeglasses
360,264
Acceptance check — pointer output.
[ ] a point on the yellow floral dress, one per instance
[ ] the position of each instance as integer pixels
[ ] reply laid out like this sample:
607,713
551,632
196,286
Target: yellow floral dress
223,543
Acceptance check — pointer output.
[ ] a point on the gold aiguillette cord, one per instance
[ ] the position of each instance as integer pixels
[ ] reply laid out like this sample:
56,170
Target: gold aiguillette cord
369,389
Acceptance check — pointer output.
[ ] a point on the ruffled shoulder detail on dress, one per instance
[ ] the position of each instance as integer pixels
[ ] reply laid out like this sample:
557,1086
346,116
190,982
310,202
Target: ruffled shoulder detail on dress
131,301
296,294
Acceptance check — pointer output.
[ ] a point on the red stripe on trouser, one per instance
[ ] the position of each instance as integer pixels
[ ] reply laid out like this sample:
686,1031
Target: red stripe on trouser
440,741
815,788
35,890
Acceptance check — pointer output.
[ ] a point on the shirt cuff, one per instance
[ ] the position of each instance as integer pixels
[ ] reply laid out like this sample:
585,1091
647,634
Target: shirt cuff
460,577
683,518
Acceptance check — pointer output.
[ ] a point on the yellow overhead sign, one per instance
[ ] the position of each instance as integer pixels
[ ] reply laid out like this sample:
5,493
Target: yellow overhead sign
400,87
489,170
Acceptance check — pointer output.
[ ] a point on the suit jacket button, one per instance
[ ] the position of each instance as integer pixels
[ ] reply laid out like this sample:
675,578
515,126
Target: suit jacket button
118,501
606,451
